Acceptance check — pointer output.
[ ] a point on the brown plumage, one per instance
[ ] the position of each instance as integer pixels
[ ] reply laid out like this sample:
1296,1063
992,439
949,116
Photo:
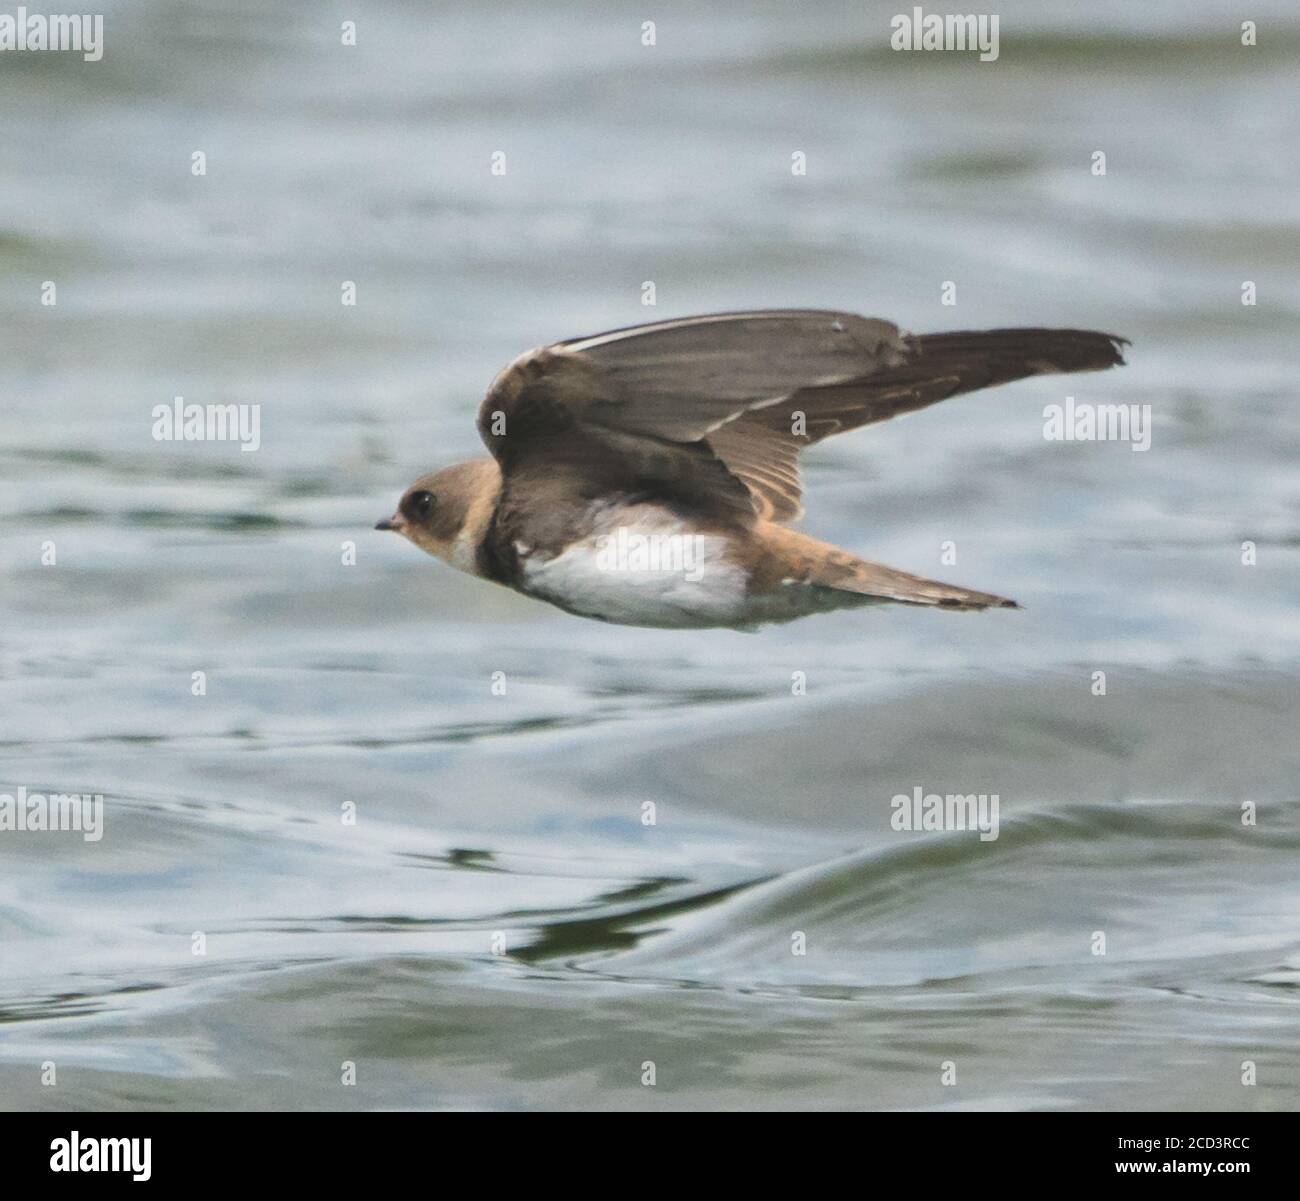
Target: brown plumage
695,426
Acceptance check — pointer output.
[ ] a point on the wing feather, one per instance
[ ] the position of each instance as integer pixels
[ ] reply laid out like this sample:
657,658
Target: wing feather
719,406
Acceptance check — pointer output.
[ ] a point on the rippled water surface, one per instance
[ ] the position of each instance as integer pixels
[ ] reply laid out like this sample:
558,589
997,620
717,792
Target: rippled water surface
501,927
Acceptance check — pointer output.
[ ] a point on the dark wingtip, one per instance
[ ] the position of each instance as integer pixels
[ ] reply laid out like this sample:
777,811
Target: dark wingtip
1086,349
1117,345
1011,354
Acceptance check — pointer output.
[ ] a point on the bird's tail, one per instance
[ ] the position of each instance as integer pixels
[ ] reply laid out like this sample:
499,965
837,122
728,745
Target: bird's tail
864,578
792,555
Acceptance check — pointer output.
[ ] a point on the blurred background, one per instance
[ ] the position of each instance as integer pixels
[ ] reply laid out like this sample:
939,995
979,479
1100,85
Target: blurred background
519,818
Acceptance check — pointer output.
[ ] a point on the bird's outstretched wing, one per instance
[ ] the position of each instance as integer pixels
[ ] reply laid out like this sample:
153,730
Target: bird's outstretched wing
715,409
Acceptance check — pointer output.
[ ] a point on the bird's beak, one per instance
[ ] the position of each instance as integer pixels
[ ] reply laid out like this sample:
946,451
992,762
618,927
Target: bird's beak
394,523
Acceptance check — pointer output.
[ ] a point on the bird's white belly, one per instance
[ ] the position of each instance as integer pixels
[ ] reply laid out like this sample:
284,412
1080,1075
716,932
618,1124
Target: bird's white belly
650,574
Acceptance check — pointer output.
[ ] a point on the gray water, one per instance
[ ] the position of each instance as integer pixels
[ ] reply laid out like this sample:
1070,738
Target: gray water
500,927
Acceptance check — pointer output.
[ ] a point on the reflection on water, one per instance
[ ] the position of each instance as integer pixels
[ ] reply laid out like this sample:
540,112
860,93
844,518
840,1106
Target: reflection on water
649,848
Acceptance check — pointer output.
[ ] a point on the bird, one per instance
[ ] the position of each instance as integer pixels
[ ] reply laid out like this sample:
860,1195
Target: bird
648,476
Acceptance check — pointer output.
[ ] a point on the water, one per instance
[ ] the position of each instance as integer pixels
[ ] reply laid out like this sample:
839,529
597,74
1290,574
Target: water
516,823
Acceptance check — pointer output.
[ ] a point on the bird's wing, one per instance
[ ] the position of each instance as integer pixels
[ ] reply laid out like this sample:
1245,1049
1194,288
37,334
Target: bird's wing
718,407
637,407
762,446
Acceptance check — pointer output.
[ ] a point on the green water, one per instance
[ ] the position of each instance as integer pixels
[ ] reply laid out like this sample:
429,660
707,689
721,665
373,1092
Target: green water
501,927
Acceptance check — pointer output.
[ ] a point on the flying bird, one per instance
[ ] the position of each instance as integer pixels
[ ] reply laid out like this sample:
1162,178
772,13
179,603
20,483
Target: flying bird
648,476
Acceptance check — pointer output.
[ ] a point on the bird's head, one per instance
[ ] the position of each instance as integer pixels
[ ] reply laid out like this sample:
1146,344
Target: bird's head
446,513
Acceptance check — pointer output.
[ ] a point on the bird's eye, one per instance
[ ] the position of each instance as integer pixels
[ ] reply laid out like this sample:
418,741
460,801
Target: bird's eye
418,506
